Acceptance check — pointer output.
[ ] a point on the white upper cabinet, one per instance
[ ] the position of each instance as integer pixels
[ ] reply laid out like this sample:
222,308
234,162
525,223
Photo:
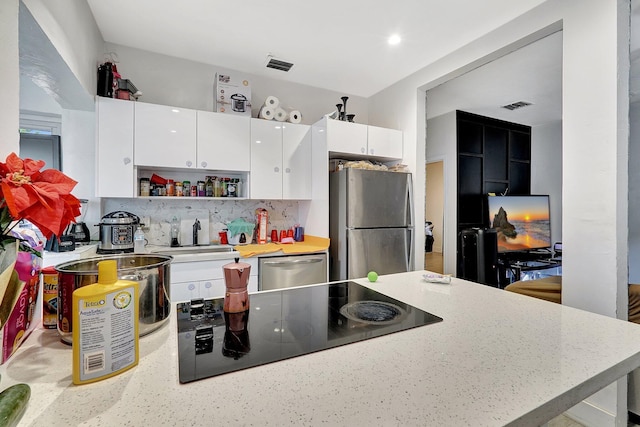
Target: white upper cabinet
114,151
223,141
366,141
266,159
280,160
384,142
346,137
296,161
164,136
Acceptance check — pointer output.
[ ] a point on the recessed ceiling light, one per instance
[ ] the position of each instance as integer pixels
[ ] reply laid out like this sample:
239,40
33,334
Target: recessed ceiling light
394,39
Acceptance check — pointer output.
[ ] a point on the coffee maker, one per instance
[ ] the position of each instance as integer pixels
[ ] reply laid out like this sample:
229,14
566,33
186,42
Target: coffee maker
236,309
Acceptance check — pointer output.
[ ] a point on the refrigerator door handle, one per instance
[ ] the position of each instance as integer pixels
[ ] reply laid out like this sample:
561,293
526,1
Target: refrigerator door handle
411,248
410,201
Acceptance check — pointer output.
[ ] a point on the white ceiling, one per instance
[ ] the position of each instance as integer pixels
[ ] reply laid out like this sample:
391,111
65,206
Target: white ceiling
334,44
531,74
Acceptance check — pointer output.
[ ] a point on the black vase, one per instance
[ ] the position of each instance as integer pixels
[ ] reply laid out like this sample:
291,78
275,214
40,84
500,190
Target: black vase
344,107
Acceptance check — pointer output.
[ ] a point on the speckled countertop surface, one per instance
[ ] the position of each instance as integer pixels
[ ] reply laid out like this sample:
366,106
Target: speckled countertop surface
497,357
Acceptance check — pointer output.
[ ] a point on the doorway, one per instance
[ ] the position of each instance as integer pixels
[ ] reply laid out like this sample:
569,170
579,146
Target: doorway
434,216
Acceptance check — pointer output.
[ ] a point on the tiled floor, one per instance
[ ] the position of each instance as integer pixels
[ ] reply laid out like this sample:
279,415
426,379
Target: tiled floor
564,421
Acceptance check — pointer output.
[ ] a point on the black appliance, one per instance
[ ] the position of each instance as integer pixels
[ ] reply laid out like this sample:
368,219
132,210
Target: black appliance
116,232
284,324
478,255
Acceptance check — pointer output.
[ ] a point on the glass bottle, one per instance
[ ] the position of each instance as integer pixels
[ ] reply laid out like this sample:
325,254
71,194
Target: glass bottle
209,187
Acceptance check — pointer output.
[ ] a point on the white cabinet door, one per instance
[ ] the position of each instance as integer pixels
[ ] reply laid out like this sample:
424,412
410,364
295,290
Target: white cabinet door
184,291
384,142
266,159
214,288
114,151
223,141
346,137
164,136
296,161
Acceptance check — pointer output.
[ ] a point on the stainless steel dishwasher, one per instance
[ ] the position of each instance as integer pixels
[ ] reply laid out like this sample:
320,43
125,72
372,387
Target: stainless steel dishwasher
287,271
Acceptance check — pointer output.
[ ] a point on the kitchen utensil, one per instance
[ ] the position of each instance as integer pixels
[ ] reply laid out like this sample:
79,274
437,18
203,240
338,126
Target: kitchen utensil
350,117
236,280
116,232
152,272
79,230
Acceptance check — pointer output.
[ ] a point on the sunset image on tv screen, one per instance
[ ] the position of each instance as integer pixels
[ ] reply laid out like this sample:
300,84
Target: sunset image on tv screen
521,222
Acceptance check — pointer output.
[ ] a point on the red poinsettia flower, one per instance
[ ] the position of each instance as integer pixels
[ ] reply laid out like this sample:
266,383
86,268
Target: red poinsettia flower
42,197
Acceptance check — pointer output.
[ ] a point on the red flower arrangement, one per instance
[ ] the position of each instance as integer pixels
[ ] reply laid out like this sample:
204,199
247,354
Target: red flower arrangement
42,197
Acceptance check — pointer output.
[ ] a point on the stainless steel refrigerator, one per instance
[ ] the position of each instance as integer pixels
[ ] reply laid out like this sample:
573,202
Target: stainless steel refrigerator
370,223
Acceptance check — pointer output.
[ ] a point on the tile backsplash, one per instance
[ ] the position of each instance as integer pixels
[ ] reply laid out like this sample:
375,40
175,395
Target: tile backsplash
158,213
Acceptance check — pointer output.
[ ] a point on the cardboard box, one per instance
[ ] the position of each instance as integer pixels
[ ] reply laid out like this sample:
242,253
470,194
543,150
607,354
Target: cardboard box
22,308
232,94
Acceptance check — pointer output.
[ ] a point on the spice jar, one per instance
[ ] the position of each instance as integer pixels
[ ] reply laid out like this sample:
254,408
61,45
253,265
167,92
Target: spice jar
201,189
186,188
231,188
145,187
170,188
179,189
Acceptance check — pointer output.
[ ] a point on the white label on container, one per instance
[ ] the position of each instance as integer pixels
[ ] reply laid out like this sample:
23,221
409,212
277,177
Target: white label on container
107,333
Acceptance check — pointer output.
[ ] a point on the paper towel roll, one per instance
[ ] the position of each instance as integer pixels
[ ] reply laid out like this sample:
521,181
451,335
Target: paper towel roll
272,101
266,113
280,115
295,116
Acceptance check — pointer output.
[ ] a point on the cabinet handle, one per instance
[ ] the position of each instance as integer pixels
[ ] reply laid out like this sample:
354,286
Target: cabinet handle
203,164
191,286
126,160
189,163
288,170
276,169
362,150
371,151
207,285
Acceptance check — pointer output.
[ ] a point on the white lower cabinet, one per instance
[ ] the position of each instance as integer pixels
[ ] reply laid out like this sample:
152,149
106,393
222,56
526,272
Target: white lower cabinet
205,279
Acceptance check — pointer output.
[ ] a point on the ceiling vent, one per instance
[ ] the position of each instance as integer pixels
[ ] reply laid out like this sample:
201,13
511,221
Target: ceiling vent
516,105
278,64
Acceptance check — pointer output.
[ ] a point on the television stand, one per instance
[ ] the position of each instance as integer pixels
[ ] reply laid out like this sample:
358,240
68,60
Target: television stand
515,266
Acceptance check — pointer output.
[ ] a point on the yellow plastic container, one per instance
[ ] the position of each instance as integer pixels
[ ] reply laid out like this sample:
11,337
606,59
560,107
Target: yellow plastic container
105,326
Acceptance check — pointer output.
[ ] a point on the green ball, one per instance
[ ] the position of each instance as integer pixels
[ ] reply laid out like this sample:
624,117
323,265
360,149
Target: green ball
372,276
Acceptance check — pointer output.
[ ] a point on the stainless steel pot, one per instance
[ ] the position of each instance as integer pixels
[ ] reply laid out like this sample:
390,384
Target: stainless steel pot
152,272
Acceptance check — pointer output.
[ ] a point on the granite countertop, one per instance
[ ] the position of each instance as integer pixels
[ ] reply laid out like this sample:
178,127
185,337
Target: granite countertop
496,358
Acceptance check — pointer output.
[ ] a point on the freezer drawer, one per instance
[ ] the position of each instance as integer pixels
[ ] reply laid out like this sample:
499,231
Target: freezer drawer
287,271
383,250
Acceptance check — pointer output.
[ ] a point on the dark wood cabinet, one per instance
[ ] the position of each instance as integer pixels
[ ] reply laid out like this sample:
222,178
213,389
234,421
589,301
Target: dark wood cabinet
494,156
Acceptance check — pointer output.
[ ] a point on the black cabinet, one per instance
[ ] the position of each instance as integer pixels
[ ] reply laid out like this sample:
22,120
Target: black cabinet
494,156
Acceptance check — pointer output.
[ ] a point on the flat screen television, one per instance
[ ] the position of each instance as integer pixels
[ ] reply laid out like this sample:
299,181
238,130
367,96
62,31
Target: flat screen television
522,223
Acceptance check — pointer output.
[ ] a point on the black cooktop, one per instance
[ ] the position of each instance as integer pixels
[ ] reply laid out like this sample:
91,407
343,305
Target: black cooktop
284,324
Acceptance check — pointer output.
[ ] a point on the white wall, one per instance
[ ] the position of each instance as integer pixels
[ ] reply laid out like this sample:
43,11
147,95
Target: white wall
10,77
182,83
546,170
595,46
71,28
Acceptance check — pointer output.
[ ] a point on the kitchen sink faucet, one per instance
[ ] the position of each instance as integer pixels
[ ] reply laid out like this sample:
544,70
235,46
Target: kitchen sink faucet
196,227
